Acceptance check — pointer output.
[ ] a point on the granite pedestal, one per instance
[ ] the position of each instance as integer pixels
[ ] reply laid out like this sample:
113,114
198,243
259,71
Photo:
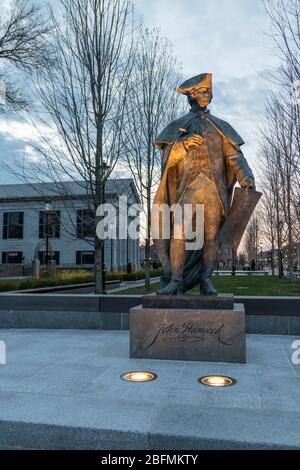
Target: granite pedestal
196,331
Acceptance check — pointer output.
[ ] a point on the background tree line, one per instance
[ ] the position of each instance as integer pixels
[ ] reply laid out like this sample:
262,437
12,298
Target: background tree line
276,222
105,86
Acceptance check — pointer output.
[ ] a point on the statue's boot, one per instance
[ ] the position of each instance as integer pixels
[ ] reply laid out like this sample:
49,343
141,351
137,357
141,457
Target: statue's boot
206,287
175,286
210,251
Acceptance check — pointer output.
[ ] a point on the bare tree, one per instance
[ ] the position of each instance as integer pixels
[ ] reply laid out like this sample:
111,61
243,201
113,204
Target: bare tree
152,104
284,18
24,45
280,148
83,101
280,160
272,214
242,260
268,221
252,238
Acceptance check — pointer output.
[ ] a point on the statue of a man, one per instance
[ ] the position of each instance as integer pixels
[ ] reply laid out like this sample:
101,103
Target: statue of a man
201,162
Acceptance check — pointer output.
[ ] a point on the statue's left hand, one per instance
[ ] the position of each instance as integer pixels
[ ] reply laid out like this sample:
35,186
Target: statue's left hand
248,183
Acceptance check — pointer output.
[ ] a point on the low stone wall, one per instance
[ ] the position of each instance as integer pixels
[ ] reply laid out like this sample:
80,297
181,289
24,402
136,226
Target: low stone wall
62,319
264,315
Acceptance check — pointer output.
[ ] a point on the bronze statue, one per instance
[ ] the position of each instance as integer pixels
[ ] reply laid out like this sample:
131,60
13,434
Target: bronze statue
201,162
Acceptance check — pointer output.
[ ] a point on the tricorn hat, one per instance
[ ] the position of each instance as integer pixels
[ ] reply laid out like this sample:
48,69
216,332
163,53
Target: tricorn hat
199,81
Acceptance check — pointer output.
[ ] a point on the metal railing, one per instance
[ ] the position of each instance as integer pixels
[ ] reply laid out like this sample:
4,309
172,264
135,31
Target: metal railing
243,273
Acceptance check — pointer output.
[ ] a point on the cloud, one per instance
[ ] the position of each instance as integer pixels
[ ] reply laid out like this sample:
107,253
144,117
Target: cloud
225,37
16,137
240,101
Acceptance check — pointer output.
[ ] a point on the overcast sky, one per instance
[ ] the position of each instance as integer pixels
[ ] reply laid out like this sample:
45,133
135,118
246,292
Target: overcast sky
225,37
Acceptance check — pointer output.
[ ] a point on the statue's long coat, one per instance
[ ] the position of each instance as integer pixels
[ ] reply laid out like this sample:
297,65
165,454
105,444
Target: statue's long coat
223,174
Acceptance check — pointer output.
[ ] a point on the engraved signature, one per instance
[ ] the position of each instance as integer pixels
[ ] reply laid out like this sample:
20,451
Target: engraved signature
186,333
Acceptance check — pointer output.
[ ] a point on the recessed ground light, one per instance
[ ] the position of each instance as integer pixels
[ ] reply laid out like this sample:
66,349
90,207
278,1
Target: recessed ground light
139,376
217,381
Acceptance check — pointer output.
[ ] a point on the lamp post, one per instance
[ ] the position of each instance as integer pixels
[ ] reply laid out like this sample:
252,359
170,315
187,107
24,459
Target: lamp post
280,255
233,261
48,209
105,172
111,227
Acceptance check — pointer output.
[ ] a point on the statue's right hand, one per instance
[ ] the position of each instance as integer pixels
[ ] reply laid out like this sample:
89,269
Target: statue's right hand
193,141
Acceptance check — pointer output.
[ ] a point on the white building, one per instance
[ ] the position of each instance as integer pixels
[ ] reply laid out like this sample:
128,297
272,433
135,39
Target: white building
25,221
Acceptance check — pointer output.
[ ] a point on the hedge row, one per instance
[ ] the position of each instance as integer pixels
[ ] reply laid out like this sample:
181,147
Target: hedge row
134,276
69,278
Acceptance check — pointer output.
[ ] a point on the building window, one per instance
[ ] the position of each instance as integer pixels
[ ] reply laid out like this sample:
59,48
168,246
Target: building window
85,257
12,257
52,255
49,224
85,223
13,223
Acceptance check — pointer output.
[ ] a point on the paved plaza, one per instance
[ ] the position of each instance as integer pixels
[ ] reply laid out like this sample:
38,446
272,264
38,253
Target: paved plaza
61,389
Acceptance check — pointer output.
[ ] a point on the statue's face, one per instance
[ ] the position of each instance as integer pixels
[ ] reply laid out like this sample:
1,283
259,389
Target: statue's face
202,96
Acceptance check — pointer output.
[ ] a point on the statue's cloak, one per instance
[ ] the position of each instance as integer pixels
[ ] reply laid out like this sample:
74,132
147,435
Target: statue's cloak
175,131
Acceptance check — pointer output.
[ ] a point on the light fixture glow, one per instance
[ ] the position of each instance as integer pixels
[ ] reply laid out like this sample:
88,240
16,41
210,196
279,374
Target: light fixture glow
139,376
217,381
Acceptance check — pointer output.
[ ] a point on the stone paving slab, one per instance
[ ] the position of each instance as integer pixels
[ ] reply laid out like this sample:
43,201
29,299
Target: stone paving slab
61,389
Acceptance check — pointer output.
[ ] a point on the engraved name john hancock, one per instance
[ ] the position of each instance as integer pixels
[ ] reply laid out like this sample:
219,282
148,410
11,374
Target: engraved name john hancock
186,333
